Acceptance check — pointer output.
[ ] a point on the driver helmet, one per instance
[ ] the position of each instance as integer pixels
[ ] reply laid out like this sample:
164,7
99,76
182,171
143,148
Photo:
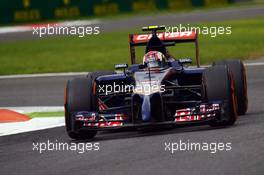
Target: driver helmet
153,59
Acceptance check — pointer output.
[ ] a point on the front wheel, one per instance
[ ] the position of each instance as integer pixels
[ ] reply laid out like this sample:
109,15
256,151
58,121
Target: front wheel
238,70
219,86
78,95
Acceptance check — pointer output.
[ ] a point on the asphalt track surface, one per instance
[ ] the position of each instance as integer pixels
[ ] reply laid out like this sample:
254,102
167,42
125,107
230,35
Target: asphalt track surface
37,91
160,19
133,152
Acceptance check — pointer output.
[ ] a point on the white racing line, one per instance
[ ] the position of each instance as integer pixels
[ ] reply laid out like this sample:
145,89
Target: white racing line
29,27
49,122
31,125
246,63
34,124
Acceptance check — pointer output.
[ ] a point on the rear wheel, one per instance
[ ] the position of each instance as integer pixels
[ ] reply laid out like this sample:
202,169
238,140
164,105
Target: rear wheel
238,70
96,74
219,86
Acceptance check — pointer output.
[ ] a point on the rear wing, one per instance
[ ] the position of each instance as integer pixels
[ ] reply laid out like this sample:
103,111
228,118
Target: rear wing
177,37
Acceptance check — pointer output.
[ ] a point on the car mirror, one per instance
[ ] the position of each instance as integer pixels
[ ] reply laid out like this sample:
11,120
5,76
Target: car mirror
185,61
121,66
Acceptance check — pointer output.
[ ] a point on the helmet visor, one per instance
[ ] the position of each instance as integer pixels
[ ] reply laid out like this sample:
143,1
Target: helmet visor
152,64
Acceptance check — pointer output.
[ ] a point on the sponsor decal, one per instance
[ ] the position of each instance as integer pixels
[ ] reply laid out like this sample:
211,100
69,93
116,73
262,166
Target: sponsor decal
103,121
194,114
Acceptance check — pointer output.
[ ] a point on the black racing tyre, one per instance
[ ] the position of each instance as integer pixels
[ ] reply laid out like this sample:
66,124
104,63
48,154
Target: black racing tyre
219,86
96,74
78,98
238,69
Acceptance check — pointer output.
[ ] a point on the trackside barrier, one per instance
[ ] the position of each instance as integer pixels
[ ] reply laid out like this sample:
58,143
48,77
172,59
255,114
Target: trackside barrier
24,11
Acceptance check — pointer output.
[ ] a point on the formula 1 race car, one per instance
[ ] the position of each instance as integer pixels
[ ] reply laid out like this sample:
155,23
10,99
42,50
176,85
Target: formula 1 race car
162,90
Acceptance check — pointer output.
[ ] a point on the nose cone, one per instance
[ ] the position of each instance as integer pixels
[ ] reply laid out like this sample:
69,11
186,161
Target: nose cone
145,108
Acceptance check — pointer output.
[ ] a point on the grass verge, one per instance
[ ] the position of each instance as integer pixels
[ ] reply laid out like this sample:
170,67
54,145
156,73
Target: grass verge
101,52
45,114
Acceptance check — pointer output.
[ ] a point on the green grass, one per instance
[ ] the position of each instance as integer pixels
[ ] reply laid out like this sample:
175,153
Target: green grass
101,52
46,114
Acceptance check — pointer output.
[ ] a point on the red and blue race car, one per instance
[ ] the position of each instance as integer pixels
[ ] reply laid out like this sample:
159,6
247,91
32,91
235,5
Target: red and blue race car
162,90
